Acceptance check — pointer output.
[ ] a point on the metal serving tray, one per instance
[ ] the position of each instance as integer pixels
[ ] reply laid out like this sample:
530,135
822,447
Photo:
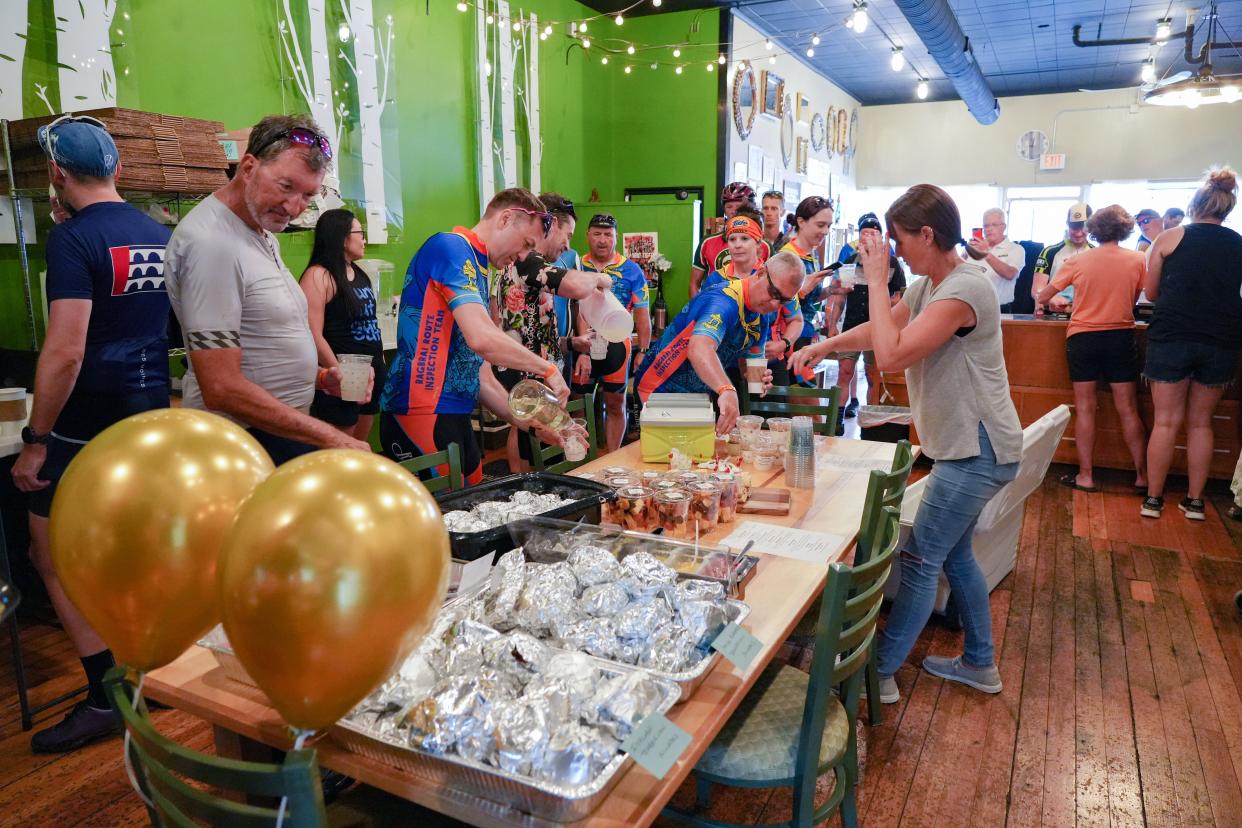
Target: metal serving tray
687,681
557,803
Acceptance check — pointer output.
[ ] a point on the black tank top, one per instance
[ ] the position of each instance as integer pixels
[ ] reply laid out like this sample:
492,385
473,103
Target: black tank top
1199,298
353,335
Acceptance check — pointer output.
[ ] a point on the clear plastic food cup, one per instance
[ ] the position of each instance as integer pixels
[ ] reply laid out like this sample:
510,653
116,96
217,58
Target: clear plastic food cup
705,505
673,512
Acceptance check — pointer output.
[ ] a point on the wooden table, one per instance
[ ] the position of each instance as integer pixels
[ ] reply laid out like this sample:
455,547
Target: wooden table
779,594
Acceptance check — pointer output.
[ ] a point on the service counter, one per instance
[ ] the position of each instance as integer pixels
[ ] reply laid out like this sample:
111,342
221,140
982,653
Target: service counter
1039,381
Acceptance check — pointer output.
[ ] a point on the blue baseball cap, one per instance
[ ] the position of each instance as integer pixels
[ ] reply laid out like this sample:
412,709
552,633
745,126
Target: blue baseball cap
80,144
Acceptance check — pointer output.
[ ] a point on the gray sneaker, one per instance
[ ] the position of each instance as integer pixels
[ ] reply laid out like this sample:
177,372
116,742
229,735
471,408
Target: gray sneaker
985,679
889,694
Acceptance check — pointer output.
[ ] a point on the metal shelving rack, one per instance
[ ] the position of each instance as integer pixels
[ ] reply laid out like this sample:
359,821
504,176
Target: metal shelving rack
23,259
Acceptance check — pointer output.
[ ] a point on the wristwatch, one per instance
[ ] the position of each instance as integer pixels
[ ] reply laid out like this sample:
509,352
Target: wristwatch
31,437
788,344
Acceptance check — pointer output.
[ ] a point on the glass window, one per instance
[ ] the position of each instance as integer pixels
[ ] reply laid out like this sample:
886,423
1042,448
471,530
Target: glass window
1071,192
1038,219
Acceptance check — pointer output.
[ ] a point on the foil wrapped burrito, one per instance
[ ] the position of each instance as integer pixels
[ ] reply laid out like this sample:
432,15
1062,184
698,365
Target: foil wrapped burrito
493,513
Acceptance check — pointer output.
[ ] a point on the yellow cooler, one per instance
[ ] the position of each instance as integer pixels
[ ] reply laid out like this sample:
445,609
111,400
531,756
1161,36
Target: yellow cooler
682,421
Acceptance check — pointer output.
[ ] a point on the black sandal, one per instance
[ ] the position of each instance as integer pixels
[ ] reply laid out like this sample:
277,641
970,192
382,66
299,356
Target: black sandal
1069,481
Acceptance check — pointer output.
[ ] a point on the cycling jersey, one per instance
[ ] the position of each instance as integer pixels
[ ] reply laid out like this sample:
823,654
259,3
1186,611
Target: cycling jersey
629,283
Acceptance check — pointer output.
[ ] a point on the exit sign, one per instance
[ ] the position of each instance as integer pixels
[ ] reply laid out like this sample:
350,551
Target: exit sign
1052,161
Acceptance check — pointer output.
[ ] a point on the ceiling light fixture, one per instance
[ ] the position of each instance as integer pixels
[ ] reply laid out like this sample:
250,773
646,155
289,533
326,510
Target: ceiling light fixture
1148,72
767,44
860,17
1164,28
1204,89
815,39
898,60
810,52
922,89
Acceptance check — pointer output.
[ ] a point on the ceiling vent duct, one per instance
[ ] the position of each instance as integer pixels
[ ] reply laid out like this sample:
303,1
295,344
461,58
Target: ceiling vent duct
938,28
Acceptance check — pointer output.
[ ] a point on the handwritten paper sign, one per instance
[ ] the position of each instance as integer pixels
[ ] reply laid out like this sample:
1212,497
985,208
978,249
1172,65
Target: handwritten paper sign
737,645
655,744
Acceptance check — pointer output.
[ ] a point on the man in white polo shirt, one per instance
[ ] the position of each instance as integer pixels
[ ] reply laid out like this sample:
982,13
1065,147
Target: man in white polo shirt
252,356
1004,260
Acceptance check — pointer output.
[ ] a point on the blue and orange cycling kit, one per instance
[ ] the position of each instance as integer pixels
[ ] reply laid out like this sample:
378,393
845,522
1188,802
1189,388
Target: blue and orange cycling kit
433,382
719,313
778,320
629,285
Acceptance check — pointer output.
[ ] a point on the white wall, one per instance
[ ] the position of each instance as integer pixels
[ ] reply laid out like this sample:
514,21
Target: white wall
822,93
1106,136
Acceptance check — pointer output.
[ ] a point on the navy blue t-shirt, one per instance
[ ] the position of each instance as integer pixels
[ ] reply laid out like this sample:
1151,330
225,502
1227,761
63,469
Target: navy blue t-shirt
113,255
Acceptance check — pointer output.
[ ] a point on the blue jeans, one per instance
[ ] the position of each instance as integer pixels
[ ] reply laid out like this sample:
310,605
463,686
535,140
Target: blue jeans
957,491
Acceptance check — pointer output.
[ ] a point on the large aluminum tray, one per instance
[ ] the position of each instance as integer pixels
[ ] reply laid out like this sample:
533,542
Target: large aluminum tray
558,803
687,681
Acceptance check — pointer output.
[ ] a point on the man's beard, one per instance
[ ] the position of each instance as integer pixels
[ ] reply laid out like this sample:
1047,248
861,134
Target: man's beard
269,225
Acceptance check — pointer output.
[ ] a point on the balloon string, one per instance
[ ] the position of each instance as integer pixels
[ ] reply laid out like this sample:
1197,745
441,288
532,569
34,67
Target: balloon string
129,765
284,800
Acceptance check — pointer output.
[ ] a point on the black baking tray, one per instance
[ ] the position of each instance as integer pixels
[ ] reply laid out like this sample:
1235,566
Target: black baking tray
587,496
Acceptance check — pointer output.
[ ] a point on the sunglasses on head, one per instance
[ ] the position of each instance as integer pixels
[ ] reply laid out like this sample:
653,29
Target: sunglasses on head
544,218
567,207
298,135
773,292
77,119
603,220
774,194
818,203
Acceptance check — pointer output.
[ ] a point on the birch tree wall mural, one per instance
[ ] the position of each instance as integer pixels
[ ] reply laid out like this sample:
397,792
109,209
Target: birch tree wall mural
87,77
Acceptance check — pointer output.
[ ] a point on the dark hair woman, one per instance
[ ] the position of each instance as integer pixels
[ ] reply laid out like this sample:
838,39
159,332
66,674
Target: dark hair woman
1099,341
340,304
945,333
1194,272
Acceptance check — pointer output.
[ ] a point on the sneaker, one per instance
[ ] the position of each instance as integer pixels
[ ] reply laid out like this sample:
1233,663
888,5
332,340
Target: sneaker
1193,507
83,724
1152,507
851,408
985,679
889,694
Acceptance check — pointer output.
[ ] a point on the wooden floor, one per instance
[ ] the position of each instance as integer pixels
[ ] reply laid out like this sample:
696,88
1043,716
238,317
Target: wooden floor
1120,649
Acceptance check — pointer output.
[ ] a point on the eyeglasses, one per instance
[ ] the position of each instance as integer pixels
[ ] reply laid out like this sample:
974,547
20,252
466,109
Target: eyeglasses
298,135
1147,220
774,293
77,119
357,232
545,218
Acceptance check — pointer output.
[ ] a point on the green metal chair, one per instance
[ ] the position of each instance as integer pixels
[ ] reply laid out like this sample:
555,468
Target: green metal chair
884,490
543,455
450,456
795,400
159,763
791,727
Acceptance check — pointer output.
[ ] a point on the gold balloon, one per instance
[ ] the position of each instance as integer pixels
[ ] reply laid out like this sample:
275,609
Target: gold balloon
335,568
137,524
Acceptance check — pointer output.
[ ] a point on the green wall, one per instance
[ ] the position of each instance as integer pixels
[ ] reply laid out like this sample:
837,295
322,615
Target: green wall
601,129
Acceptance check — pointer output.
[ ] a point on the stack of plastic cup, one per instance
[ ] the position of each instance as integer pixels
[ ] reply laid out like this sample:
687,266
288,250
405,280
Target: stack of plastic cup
800,458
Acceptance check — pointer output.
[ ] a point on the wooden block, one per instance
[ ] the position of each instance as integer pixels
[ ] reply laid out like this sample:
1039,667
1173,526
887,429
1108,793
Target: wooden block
767,502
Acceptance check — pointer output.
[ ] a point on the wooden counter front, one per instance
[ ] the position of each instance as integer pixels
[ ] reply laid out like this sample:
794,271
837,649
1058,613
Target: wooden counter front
1039,381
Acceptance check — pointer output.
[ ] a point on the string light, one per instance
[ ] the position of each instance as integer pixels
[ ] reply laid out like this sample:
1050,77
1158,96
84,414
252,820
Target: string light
1148,73
860,17
490,20
810,52
628,70
898,60
921,90
1164,28
678,70
343,32
586,43
582,26
711,67
543,35
547,30
517,25
815,40
767,44
677,53
487,68
721,59
657,3
619,19
604,60
772,60
461,7
655,66
630,49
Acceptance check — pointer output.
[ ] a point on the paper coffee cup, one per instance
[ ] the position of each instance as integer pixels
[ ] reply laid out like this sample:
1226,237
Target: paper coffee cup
355,371
755,369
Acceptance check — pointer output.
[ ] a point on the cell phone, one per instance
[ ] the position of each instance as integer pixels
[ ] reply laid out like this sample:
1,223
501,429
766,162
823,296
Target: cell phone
977,234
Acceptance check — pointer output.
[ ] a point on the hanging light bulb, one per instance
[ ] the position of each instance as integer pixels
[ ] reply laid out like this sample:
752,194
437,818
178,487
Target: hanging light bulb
547,30
860,17
849,22
619,19
711,67
767,44
586,43
604,60
628,70
898,60
461,7
543,35
815,39
677,53
772,60
343,32
1148,73
582,26
487,68
721,59
1164,28
657,3
491,19
629,50
655,66
517,25
741,64
921,90
678,70
810,52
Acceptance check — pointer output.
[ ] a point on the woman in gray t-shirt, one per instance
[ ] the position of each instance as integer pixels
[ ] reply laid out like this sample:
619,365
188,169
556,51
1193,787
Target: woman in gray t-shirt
945,334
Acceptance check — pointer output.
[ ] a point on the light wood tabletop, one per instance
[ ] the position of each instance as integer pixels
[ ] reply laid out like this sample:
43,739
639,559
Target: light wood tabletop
779,594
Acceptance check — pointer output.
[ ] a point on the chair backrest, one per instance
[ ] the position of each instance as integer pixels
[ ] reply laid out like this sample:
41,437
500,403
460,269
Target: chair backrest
795,400
545,455
445,464
1039,443
160,763
884,490
844,635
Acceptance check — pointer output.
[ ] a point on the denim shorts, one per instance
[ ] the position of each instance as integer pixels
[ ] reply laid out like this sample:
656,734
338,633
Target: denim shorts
1202,362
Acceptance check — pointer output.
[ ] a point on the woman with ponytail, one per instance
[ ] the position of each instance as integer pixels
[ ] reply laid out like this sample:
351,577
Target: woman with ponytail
945,334
1194,275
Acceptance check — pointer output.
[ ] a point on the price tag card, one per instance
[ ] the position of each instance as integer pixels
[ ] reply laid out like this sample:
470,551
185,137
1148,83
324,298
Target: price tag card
655,744
737,645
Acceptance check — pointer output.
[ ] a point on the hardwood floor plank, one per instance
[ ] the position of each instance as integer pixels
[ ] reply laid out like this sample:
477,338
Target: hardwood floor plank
1219,580
1059,775
1090,749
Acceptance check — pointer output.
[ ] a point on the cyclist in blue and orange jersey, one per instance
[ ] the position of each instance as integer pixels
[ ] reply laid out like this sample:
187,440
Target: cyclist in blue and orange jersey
629,285
713,251
716,329
445,334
